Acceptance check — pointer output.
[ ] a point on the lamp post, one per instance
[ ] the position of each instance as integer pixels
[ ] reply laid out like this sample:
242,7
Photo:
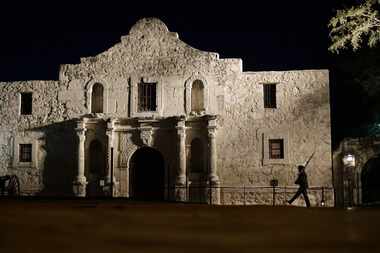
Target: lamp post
348,164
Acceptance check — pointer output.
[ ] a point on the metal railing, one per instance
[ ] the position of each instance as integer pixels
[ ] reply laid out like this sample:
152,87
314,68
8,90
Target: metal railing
226,195
241,195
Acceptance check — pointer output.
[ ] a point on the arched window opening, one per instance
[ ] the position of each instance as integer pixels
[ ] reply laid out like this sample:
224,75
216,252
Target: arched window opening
97,98
197,156
197,96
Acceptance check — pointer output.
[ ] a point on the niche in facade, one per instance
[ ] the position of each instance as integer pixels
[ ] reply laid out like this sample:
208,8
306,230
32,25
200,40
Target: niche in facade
197,96
97,98
197,156
96,173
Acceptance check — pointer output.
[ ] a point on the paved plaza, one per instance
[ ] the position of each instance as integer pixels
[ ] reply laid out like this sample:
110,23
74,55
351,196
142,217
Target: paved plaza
119,226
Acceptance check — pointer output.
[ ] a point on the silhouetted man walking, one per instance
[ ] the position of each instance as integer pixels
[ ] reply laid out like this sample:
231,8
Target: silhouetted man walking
303,185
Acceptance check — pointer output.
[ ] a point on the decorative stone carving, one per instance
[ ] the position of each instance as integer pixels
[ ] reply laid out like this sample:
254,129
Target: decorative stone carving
123,142
146,135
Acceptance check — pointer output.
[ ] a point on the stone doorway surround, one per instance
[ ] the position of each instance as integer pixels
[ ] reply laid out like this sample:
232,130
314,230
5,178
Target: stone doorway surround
147,175
122,137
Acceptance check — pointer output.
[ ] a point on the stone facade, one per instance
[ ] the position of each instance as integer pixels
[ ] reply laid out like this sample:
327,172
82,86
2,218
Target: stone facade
222,119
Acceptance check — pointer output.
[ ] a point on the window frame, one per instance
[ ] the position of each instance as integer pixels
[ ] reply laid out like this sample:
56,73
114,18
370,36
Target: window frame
22,153
280,149
272,135
270,95
147,97
22,109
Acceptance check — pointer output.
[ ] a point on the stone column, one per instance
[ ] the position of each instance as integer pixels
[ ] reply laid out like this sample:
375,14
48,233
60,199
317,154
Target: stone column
213,178
108,184
80,183
180,189
213,157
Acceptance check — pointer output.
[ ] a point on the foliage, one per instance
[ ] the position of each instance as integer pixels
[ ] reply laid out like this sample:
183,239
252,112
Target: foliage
355,26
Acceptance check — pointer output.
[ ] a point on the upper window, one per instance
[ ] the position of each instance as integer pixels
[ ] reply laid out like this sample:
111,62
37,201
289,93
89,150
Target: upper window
147,97
26,103
270,96
276,149
97,98
197,97
25,153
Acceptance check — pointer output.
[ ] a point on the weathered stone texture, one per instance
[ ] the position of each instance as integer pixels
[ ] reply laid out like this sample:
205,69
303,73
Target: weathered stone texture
302,117
153,54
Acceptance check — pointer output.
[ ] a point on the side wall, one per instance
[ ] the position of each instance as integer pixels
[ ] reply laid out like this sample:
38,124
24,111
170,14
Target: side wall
302,119
47,129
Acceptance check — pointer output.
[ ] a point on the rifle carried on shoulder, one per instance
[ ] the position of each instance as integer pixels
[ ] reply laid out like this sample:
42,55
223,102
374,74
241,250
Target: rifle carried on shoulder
308,161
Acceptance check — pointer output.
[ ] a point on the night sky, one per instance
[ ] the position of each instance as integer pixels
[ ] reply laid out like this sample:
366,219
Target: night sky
273,36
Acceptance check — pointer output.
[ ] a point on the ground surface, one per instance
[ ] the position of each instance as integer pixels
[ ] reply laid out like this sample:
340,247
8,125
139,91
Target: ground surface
117,226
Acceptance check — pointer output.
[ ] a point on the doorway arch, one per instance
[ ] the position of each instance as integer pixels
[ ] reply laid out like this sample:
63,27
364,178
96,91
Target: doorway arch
370,179
147,175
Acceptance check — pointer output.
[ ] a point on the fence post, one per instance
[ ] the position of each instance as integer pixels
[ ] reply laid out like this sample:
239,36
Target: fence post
323,197
274,183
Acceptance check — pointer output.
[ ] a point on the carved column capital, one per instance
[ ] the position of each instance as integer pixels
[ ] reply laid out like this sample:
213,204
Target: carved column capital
81,133
212,132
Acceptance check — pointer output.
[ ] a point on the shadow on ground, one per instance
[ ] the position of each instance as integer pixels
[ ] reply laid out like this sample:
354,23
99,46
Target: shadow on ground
119,226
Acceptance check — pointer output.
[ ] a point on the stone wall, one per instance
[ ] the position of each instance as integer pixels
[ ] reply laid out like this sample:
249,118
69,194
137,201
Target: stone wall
48,118
302,119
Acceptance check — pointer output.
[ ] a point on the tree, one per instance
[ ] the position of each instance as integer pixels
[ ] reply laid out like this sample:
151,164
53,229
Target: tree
355,26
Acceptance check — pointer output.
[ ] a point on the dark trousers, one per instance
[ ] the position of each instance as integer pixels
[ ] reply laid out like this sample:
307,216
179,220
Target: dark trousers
300,191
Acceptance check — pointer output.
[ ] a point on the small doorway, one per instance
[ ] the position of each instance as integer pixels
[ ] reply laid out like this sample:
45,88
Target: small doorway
147,175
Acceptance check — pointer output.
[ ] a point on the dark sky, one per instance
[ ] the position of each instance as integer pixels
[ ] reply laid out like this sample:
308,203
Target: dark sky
271,36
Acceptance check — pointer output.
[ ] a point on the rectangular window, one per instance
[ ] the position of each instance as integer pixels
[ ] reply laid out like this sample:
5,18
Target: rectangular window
270,95
25,153
147,97
26,103
276,149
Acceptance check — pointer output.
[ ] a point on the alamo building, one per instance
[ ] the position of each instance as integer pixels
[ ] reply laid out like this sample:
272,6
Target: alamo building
154,119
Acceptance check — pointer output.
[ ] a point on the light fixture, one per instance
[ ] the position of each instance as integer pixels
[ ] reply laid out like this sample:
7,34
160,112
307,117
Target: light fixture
349,160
